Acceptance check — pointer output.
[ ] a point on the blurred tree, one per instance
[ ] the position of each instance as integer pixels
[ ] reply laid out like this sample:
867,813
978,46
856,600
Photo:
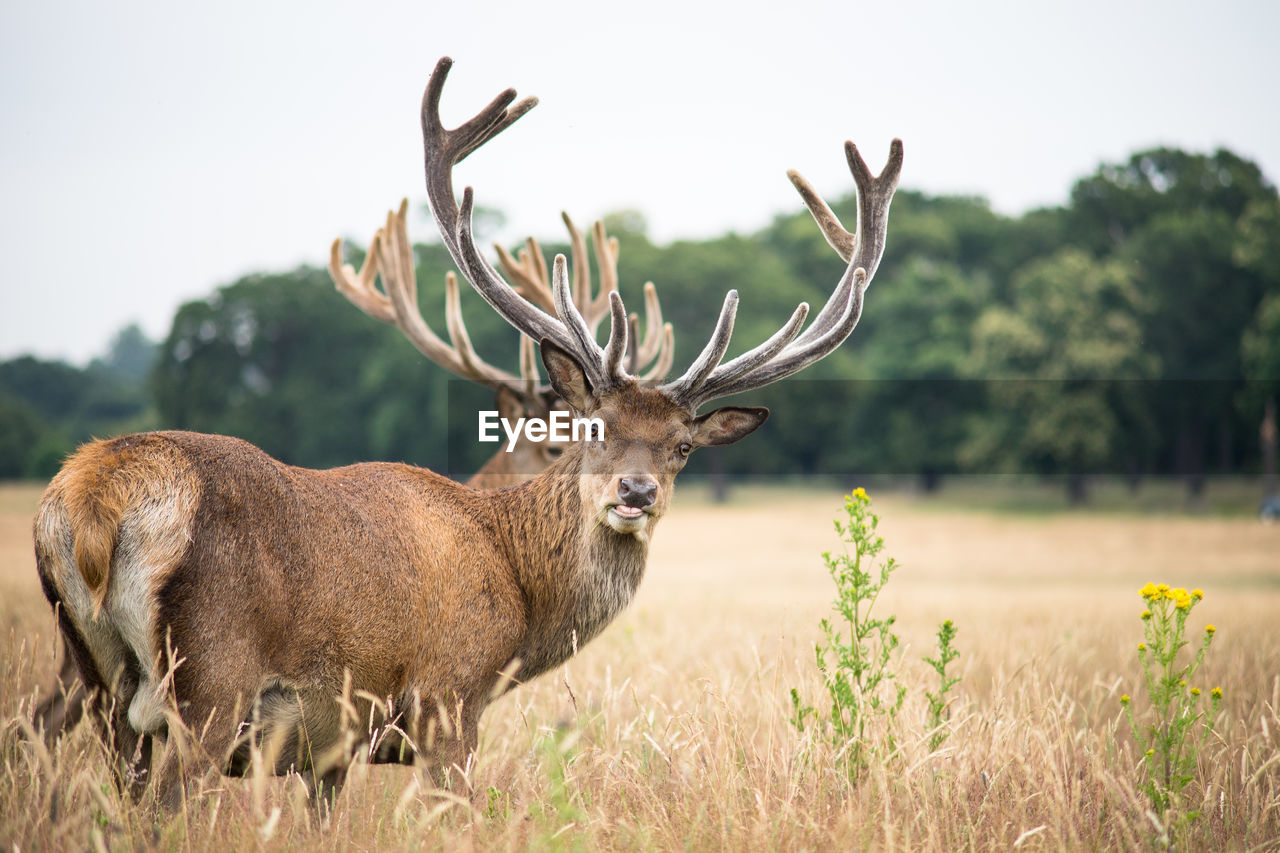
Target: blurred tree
20,430
276,360
911,418
55,391
1051,362
1192,227
1260,354
129,355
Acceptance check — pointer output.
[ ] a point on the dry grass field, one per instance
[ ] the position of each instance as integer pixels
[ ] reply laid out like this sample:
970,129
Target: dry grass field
671,730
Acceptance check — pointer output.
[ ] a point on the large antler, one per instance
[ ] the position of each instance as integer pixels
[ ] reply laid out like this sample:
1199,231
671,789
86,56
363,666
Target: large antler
529,276
391,255
443,150
785,353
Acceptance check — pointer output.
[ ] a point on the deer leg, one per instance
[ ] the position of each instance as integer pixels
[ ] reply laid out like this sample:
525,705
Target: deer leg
130,749
450,754
324,789
64,704
199,741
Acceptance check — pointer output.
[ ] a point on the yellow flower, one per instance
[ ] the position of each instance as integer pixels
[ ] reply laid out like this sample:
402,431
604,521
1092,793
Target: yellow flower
859,493
1148,591
1197,594
1195,691
1182,684
1142,647
1176,594
1146,614
1124,700
1183,603
1151,752
1209,629
1162,588
1216,693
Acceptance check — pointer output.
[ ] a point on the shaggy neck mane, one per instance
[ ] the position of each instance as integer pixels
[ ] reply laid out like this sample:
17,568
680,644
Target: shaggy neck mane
575,571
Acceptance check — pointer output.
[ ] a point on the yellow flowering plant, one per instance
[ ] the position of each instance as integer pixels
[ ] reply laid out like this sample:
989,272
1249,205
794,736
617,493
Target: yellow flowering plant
1172,730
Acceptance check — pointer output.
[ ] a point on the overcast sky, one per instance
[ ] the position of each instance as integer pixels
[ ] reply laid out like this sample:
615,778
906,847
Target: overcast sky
151,152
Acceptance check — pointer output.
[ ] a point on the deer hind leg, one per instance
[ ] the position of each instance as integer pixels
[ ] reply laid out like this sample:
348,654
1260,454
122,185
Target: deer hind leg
64,704
449,739
292,728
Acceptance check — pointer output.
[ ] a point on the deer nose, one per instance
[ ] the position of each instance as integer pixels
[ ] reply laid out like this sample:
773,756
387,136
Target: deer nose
638,492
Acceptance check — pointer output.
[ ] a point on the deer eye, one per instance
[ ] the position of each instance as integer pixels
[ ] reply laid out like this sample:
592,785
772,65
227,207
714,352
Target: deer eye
593,434
685,448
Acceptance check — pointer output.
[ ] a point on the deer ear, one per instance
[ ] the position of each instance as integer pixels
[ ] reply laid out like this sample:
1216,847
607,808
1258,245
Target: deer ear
727,425
510,406
567,377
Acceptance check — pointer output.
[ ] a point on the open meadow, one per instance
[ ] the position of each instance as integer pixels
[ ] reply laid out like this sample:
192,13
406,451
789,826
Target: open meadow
671,731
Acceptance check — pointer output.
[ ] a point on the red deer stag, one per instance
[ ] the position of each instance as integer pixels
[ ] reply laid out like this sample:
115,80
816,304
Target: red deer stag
390,257
208,590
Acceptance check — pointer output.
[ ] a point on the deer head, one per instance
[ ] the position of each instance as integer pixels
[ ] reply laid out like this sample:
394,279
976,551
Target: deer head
649,433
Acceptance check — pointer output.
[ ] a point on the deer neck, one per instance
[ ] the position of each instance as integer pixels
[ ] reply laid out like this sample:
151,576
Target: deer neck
576,573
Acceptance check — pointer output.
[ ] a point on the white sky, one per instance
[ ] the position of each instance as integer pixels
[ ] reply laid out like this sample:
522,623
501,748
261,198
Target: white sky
150,152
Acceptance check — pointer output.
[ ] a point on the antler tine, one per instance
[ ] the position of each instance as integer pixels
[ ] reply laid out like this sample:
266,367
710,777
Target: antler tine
536,262
391,255
529,367
653,325
606,249
524,276
666,355
684,389
633,352
470,135
478,369
616,349
798,355
581,273
566,309
359,288
569,332
529,278
443,149
844,242
866,246
788,350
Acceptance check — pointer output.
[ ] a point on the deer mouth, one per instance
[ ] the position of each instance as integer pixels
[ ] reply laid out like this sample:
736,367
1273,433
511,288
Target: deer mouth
626,519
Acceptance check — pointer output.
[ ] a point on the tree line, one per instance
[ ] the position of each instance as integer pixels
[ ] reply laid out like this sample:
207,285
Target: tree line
1134,330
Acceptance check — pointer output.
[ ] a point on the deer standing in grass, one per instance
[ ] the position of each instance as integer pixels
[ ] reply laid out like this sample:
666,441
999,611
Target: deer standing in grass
209,592
390,257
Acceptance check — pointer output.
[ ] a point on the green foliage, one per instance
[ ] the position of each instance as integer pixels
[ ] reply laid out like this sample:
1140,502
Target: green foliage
1161,267
1173,729
858,657
1260,345
48,407
20,429
939,704
1072,321
856,660
560,808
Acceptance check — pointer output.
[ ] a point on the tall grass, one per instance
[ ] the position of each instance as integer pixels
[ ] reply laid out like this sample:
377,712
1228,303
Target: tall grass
671,731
